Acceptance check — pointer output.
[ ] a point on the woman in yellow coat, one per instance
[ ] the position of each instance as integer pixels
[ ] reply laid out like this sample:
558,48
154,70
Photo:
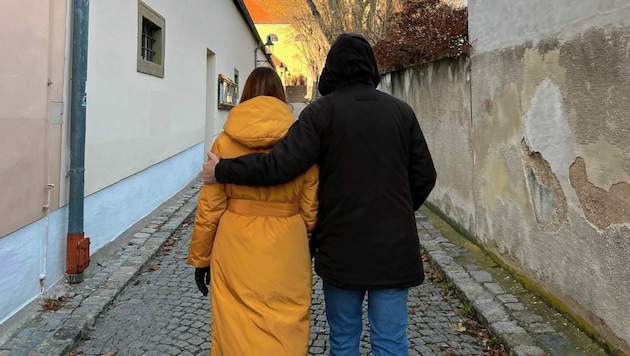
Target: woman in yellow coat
253,241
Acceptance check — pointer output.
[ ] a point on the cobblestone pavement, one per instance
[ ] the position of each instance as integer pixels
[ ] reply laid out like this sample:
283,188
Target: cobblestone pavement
141,299
161,312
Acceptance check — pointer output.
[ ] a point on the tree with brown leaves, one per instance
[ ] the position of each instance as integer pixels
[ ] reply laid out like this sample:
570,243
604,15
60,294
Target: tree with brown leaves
423,31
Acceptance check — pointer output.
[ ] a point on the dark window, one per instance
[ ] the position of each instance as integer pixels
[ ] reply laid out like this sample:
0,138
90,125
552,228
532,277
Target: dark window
149,34
151,29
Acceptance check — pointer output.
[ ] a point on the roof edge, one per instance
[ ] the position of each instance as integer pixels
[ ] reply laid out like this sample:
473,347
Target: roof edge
247,17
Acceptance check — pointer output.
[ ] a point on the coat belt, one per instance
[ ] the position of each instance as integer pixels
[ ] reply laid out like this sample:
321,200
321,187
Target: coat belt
262,208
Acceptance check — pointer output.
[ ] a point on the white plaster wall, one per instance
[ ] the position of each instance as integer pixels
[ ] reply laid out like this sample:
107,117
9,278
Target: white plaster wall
39,249
546,128
21,263
135,120
495,24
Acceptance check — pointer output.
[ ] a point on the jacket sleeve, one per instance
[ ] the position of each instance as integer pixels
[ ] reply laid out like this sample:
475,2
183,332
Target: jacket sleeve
422,174
211,205
309,202
292,156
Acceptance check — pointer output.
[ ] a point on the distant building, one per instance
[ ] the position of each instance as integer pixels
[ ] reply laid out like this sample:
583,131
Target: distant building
274,22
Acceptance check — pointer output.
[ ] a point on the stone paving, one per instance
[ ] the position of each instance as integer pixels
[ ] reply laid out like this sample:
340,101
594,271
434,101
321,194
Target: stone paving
161,312
142,300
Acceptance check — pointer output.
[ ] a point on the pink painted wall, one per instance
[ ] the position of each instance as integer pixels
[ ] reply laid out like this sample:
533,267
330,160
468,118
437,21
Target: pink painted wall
33,35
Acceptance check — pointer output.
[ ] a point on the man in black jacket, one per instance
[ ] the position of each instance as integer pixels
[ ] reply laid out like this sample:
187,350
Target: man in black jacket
375,172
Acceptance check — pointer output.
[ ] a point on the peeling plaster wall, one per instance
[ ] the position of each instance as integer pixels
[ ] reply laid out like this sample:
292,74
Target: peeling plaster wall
551,142
531,142
440,96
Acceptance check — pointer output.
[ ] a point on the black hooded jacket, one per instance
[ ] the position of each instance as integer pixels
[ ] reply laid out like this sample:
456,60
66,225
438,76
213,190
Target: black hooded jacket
375,171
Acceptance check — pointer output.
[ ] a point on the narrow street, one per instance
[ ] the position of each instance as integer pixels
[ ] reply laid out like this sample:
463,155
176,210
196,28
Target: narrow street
109,108
161,312
140,298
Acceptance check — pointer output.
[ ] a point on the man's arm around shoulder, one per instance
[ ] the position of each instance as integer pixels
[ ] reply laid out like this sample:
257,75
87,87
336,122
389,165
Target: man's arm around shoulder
292,156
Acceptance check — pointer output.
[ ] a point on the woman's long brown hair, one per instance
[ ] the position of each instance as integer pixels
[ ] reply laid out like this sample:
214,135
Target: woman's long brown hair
263,81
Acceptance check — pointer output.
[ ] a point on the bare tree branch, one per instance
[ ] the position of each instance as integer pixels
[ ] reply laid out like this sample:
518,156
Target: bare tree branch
321,21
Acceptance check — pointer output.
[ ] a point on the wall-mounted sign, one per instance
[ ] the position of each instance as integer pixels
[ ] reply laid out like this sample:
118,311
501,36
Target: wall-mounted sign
228,92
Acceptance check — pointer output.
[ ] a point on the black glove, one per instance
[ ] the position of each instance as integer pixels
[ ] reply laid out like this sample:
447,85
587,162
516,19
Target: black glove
202,277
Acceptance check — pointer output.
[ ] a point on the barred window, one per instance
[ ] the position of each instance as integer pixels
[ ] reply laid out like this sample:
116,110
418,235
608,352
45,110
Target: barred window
149,33
151,28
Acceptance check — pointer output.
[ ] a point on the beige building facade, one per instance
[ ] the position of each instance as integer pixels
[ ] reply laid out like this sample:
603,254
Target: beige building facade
152,110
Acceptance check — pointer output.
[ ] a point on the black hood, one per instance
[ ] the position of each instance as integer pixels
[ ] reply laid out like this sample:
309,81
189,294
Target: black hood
349,61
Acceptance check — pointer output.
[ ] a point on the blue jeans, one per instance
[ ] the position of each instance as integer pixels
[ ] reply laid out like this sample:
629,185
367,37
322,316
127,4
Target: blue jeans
387,315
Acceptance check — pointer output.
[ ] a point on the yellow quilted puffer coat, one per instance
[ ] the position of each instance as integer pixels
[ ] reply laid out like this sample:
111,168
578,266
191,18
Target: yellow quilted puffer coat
255,240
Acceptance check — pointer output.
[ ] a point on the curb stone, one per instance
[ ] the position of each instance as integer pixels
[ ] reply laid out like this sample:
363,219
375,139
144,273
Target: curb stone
522,332
58,332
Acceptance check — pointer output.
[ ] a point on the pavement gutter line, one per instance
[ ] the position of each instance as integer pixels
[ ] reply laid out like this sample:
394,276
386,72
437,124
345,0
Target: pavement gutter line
58,332
490,306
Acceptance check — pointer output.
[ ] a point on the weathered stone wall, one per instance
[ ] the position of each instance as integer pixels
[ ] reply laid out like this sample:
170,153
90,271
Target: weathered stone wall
531,141
551,132
440,96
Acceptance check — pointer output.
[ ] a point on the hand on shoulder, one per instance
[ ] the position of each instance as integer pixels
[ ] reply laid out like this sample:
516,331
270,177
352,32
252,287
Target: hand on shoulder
208,169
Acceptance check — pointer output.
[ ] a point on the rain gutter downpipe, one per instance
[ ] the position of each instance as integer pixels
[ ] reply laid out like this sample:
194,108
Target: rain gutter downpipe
78,246
256,55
